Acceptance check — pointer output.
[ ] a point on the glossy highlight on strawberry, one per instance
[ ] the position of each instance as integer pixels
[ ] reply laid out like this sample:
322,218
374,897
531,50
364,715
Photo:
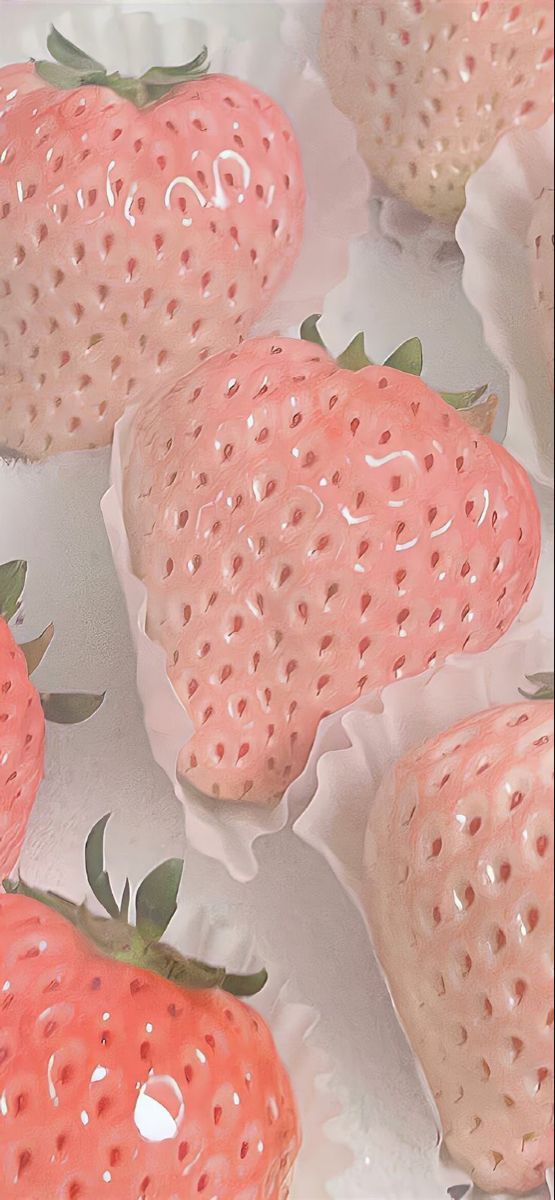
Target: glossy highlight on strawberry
306,534
124,1064
134,241
459,898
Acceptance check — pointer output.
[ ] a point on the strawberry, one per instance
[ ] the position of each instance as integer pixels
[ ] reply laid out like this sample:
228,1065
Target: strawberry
144,224
308,533
123,1063
459,897
22,715
433,84
541,247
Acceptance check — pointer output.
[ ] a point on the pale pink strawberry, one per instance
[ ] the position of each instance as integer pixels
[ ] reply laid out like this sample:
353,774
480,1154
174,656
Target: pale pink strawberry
307,534
134,242
459,896
432,85
541,247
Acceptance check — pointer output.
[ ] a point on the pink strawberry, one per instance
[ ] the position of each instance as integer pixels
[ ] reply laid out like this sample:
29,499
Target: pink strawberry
144,224
541,247
459,895
146,1074
306,534
433,84
22,713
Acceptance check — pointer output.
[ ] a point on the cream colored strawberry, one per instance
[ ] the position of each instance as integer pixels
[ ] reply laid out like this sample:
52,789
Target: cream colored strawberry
541,249
432,84
459,896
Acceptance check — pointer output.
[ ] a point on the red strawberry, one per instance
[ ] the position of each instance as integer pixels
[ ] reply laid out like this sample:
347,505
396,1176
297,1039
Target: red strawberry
459,895
22,720
307,534
132,1073
144,224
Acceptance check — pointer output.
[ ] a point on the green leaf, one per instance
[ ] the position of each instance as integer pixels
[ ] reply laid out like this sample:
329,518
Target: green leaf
66,78
354,358
156,899
460,400
72,56
310,333
35,651
164,76
245,985
544,683
70,708
124,904
97,875
12,582
407,358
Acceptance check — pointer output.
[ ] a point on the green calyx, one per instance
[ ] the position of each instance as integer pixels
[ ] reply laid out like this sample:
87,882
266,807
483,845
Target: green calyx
544,684
139,945
73,68
64,708
475,406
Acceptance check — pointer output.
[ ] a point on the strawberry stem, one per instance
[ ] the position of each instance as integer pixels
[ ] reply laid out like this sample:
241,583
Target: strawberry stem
408,358
544,683
139,945
73,68
12,582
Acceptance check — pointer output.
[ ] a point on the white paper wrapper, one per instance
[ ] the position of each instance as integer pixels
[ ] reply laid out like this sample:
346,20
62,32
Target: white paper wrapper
323,1155
493,235
356,748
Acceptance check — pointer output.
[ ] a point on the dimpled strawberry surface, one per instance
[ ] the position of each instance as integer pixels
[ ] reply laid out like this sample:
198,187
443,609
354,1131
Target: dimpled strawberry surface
133,244
21,748
541,240
307,534
433,84
110,1075
459,896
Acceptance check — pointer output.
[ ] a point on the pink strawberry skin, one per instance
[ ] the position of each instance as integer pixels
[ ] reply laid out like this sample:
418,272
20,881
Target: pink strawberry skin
433,84
21,749
459,895
307,534
541,247
133,244
80,1035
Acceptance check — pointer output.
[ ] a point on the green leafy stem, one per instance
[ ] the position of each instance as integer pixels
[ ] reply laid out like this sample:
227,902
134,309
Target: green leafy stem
64,708
72,68
409,359
140,944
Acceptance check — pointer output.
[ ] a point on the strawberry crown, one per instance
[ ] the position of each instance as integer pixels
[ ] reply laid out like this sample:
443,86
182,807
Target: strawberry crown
138,944
64,708
475,406
544,684
73,68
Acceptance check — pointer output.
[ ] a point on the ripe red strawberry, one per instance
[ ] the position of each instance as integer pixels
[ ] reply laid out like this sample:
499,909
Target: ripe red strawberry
132,1073
433,84
144,225
307,534
22,714
459,896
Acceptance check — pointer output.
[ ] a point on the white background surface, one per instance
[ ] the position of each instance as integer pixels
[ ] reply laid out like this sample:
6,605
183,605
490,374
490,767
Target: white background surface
49,514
